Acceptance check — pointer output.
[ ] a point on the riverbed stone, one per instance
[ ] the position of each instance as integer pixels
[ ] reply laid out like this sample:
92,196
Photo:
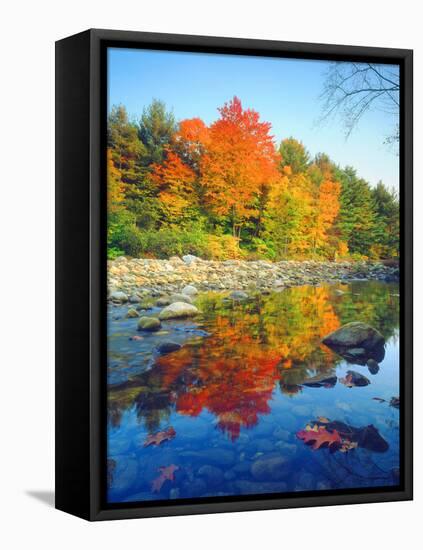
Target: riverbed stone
158,277
190,259
163,301
168,347
178,310
189,290
357,379
212,474
238,295
132,313
118,296
270,467
218,456
180,298
149,324
373,366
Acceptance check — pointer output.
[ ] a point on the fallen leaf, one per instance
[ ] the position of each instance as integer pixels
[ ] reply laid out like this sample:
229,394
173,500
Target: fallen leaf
166,473
318,436
159,437
395,402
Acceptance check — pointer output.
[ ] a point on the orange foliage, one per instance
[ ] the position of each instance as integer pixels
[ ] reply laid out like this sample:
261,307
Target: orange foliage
240,159
115,187
174,179
234,372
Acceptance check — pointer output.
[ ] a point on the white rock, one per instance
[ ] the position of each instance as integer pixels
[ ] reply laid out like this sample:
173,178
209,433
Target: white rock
190,259
178,310
189,290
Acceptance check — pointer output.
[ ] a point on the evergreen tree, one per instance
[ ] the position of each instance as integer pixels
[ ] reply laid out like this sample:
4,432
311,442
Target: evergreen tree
155,131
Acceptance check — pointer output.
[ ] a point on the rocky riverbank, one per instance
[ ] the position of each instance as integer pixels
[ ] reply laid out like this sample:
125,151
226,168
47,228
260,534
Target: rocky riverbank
169,276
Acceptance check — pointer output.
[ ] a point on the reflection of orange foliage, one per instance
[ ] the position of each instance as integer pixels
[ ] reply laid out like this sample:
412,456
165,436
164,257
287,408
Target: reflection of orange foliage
233,373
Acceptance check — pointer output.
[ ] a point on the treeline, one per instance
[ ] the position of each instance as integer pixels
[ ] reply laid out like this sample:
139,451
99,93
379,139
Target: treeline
226,191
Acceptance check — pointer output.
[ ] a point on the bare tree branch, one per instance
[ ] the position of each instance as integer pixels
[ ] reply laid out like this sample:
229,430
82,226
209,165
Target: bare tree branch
352,89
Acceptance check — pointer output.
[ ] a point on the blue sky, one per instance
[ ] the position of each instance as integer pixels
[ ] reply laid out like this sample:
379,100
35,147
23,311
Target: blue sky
284,91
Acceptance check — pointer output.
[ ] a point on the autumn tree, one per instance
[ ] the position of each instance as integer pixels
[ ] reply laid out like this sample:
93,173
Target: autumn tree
287,216
240,160
115,186
187,187
174,180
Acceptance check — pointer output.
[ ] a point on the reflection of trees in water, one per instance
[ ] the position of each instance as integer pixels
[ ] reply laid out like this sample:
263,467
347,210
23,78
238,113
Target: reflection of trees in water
347,469
254,346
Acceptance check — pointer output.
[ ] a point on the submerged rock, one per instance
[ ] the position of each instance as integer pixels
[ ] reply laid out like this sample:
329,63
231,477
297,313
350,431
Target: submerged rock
149,323
373,366
270,467
367,437
178,310
220,457
132,313
212,474
168,347
354,378
328,382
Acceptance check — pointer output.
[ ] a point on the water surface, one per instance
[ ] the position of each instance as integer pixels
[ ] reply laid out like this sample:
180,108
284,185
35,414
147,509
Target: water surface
249,377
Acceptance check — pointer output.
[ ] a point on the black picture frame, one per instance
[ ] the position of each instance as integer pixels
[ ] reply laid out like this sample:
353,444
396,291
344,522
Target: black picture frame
81,270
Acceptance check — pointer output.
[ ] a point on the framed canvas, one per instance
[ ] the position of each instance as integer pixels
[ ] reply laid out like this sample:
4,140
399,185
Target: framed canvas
234,274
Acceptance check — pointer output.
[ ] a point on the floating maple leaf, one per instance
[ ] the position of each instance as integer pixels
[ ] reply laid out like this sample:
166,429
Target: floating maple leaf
166,473
395,402
379,399
159,437
317,436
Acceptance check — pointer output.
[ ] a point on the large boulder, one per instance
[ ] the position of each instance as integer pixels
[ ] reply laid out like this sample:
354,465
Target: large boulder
150,324
178,310
355,335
